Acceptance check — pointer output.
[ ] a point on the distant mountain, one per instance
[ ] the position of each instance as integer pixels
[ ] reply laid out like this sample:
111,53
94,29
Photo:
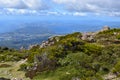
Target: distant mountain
25,36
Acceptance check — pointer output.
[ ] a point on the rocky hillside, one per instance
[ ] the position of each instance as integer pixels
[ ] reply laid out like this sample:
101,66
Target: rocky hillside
81,56
77,56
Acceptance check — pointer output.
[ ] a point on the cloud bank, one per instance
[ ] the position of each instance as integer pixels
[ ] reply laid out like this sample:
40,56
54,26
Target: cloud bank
65,7
24,4
91,6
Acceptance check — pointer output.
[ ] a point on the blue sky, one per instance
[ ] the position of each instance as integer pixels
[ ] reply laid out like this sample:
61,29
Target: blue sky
60,7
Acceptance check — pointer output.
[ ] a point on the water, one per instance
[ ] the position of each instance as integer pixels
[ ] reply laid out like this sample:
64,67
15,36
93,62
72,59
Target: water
58,25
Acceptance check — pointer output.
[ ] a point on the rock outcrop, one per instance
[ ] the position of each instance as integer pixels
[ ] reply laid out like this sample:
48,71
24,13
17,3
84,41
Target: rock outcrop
105,28
89,36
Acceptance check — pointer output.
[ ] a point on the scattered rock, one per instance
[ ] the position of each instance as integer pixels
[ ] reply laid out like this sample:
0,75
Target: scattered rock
75,78
105,28
88,36
22,48
110,76
32,46
51,41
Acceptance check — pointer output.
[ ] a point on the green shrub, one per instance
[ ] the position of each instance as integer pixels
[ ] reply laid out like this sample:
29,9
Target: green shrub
117,68
23,67
92,49
118,36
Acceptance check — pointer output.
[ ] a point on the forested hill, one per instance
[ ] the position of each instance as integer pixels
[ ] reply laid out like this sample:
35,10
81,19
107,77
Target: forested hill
76,56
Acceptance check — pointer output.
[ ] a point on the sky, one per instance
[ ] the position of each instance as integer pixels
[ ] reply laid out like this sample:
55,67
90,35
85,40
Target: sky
107,8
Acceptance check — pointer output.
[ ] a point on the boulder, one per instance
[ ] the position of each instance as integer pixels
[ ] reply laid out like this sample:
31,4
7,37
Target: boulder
105,28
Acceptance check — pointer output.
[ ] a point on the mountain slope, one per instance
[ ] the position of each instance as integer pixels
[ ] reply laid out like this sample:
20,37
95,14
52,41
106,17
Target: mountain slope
70,57
76,56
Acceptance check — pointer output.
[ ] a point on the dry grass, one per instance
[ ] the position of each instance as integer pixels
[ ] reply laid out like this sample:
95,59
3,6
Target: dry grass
12,71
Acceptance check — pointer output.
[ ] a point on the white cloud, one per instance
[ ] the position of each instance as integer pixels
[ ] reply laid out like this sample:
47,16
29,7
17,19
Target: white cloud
53,13
64,1
61,7
79,14
23,4
90,6
12,11
35,4
11,4
113,13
